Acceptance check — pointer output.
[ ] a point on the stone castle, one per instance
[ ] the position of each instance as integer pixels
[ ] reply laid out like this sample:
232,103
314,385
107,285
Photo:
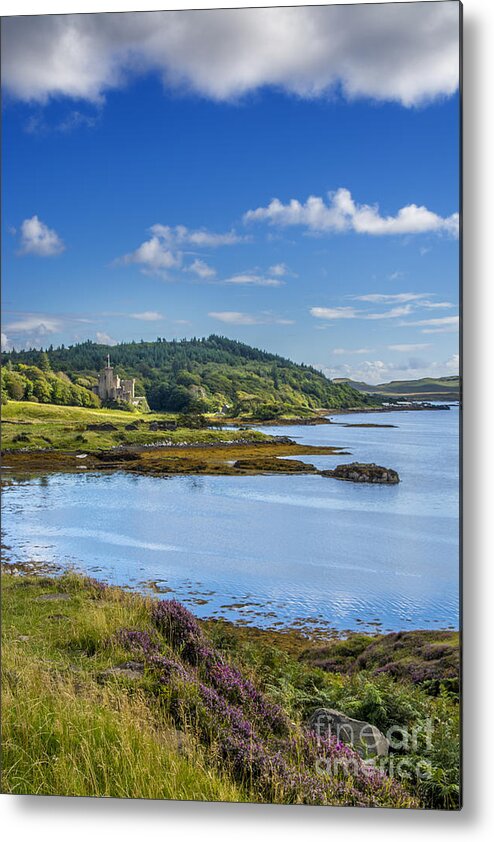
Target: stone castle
111,388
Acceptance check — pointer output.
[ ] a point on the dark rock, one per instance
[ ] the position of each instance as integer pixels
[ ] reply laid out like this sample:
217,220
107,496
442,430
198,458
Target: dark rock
365,738
132,670
362,472
116,456
103,428
162,425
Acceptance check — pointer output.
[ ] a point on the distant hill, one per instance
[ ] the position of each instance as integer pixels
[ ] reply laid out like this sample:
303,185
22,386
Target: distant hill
202,375
426,388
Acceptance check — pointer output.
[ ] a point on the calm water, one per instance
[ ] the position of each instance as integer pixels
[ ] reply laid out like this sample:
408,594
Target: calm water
271,550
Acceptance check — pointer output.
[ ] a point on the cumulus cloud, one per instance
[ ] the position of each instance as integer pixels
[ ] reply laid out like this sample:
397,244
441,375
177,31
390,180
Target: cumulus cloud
233,317
340,213
153,257
105,339
39,324
279,269
6,344
202,269
37,238
453,363
399,52
164,249
381,371
147,316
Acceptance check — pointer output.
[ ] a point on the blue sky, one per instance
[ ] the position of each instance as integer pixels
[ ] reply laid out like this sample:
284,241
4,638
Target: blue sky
138,192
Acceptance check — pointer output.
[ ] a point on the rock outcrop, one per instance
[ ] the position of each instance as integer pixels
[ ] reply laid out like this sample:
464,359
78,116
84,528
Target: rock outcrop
365,738
362,472
162,425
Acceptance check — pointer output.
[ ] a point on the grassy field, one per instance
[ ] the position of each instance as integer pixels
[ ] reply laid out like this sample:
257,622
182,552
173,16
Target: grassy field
40,437
113,694
31,426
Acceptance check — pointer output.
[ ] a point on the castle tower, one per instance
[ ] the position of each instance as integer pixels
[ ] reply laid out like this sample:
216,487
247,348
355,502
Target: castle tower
106,384
111,388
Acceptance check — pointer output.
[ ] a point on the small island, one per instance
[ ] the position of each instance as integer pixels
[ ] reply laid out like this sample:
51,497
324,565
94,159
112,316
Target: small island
362,472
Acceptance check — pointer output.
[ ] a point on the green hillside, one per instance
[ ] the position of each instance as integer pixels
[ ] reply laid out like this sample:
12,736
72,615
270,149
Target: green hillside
426,388
198,375
39,384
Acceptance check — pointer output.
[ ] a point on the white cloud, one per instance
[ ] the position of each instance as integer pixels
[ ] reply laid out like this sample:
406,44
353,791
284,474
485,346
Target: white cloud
28,330
147,316
453,363
202,269
39,324
417,346
154,257
162,251
437,305
37,124
331,313
447,324
334,312
341,213
180,235
6,344
37,238
394,313
339,352
105,339
381,371
397,298
248,279
400,52
279,269
232,317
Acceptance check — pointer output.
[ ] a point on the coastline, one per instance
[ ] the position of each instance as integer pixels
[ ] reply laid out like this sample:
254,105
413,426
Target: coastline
225,459
186,451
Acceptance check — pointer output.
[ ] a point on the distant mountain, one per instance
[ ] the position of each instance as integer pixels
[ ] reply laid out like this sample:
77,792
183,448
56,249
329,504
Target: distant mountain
426,388
202,375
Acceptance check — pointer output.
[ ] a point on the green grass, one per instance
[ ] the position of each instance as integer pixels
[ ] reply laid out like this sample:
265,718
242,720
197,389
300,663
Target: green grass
31,426
66,733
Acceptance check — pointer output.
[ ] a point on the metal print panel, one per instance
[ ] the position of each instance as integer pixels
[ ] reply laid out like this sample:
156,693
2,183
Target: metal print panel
231,405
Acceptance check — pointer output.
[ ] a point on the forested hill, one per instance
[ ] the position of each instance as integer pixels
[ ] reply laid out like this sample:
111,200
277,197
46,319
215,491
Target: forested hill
201,375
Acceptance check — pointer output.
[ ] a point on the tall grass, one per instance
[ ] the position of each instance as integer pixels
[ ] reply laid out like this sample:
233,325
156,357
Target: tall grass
70,736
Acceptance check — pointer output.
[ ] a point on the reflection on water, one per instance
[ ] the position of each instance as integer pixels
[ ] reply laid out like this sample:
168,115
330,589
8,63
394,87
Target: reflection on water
269,550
